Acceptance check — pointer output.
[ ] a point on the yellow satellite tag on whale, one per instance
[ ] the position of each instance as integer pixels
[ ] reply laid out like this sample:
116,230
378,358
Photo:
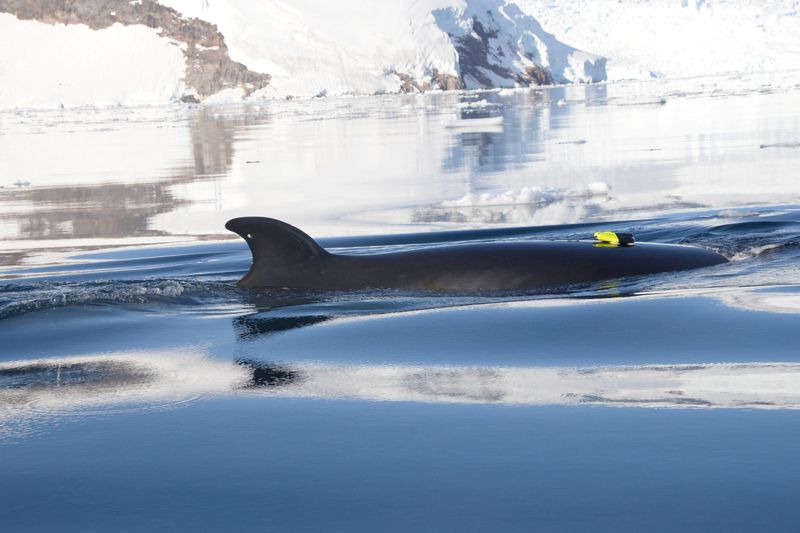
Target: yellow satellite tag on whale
614,238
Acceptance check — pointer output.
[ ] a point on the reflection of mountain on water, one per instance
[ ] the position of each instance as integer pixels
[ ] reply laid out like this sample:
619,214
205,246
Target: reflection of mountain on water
495,150
107,210
533,117
29,389
115,210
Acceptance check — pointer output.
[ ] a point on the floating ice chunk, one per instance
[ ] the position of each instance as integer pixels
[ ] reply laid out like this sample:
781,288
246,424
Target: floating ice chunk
794,144
477,124
597,188
493,121
476,104
530,195
643,101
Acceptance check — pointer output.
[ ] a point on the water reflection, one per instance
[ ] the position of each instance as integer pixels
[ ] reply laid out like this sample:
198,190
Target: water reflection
90,211
251,327
386,163
783,300
118,210
525,121
139,380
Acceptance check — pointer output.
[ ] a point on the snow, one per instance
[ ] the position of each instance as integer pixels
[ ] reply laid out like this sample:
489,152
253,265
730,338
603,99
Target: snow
519,38
46,65
678,38
311,47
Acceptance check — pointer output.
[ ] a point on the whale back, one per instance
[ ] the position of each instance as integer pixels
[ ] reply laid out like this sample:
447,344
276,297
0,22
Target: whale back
274,244
285,257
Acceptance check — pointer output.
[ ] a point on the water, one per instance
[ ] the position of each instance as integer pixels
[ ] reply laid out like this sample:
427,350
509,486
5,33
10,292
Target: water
141,390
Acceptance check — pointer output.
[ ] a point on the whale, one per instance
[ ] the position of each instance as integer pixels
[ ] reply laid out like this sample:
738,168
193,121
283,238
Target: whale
284,257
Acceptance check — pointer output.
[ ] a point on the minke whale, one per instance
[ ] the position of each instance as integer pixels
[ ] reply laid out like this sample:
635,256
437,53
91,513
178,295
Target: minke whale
286,258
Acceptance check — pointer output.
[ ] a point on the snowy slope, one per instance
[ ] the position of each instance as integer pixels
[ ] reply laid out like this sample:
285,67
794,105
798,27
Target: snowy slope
46,65
678,38
349,46
308,47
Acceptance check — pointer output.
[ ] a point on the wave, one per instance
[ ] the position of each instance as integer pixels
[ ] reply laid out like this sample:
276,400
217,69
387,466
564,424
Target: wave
749,239
19,299
763,244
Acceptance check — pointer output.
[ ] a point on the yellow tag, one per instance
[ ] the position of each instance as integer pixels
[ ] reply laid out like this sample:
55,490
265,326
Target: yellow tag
607,236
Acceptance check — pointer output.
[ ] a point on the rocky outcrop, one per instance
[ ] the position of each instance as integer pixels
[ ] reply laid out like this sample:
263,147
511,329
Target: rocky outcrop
475,50
417,46
434,80
499,46
209,69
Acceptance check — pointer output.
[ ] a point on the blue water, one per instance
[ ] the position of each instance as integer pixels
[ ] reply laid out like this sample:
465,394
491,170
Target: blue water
140,390
99,449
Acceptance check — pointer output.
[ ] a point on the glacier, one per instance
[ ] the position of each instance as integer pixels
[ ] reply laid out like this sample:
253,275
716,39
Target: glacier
302,49
156,52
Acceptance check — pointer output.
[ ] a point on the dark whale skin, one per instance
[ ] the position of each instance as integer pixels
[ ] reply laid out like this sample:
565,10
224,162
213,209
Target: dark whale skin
285,257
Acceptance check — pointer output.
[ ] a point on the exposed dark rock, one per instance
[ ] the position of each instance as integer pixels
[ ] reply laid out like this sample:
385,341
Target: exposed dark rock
538,76
474,52
189,99
209,69
446,82
435,80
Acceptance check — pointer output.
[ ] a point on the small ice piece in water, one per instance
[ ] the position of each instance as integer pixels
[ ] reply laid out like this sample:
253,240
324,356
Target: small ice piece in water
530,195
476,124
476,104
643,101
791,144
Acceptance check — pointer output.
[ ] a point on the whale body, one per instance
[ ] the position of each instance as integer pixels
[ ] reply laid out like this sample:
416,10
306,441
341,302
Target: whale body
286,258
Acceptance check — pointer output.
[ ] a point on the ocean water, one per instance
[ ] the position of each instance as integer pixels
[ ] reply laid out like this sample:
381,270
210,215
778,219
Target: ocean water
140,390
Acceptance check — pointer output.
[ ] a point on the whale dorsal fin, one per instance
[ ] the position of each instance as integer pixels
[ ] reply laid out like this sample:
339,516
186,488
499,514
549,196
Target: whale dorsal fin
274,242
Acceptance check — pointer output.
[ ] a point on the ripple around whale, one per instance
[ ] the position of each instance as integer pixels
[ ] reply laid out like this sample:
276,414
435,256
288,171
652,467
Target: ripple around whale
201,276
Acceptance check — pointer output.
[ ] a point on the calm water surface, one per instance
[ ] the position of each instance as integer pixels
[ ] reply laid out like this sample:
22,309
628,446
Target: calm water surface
139,390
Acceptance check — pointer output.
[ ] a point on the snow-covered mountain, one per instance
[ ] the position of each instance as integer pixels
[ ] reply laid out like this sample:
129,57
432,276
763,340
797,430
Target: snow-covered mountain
311,47
126,52
645,39
143,51
106,52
